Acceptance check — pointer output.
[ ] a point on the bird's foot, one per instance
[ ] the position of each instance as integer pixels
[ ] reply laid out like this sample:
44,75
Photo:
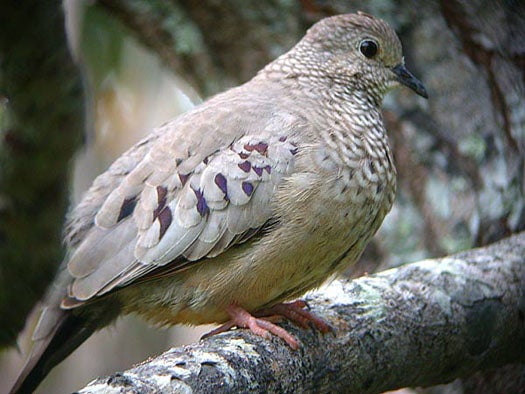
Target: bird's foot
262,322
259,326
296,312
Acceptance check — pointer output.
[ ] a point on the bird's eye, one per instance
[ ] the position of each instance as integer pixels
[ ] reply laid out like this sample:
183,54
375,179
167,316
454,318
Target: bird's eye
368,48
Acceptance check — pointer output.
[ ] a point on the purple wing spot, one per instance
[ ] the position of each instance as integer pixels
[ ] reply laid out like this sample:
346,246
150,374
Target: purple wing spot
205,161
243,155
260,147
268,169
161,198
165,219
245,166
222,183
258,170
161,195
294,151
183,178
202,206
127,208
247,188
283,138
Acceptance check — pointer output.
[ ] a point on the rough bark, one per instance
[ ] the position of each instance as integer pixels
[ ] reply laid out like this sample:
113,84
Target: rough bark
40,126
422,324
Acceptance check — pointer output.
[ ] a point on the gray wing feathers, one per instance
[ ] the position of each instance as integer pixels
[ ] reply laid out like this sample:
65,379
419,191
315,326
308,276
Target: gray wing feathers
81,219
102,256
176,205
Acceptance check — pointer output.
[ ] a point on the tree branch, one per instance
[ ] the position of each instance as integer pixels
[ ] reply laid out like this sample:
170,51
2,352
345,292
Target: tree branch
422,324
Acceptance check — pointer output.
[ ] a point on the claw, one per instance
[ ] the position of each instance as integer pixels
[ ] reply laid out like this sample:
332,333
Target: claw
295,312
259,326
223,328
262,322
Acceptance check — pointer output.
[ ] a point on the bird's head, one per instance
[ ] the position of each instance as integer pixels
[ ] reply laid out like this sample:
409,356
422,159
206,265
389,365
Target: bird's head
359,50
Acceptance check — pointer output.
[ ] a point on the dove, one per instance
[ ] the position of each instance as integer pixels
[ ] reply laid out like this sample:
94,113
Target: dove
229,212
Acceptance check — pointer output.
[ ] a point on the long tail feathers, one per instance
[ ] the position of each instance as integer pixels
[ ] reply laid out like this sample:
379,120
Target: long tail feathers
68,333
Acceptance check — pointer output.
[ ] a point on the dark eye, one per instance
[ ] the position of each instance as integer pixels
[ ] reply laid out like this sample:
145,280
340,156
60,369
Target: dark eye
368,48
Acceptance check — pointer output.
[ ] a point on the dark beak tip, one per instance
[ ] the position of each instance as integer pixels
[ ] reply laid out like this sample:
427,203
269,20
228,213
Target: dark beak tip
406,78
423,93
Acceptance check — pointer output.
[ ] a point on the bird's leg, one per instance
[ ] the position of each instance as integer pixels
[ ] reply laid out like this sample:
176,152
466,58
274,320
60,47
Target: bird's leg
262,322
295,312
240,317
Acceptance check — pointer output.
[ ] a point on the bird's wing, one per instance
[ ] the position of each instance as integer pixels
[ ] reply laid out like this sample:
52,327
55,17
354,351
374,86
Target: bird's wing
176,207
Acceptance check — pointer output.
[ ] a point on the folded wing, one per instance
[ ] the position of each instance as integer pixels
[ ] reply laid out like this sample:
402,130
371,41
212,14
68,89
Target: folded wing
175,209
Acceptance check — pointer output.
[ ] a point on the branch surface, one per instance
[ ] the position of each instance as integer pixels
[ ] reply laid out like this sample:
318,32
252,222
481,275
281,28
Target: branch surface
422,324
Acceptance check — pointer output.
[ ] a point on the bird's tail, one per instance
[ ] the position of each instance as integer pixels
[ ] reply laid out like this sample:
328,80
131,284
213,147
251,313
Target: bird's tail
66,334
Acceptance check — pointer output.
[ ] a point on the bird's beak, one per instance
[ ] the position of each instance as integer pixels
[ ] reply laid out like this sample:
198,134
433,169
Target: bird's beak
406,78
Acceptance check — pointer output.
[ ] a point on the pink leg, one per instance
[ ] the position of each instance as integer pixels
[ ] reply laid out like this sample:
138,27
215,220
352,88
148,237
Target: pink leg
262,321
295,312
262,327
